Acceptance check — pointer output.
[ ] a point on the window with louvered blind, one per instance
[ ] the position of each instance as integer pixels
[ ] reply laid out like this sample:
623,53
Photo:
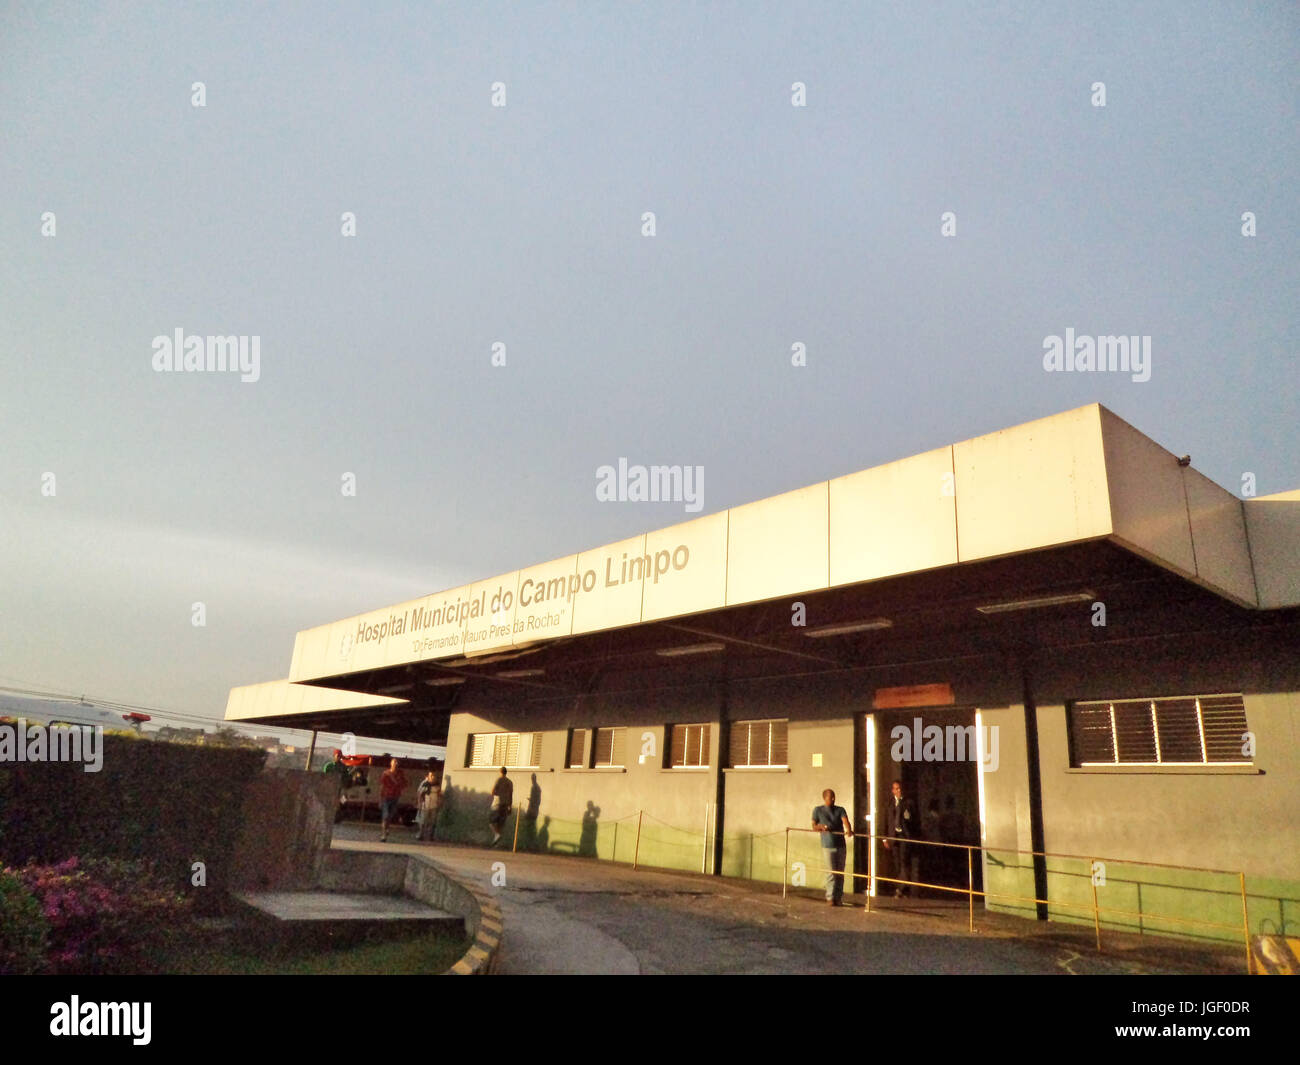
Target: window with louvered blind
689,748
757,744
514,750
609,748
577,748
1179,730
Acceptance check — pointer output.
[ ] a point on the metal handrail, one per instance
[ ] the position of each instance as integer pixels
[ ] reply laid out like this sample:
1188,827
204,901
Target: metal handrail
971,891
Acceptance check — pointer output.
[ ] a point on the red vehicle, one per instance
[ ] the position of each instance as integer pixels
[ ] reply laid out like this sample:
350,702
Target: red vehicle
360,795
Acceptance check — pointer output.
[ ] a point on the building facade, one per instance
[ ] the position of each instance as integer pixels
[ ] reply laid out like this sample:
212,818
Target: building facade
1078,655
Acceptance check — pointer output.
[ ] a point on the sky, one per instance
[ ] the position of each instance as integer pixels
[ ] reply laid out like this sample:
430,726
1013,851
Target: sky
194,167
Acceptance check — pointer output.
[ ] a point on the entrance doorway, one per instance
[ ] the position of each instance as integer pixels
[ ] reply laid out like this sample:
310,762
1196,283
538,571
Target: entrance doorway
934,754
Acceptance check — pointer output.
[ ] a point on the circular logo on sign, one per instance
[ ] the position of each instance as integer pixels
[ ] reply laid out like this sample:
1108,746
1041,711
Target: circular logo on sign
345,645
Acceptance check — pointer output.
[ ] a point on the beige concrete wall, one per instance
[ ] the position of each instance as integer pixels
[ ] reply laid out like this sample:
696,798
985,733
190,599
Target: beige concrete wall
1274,526
1147,501
704,585
1218,524
778,546
760,803
675,797
277,698
1008,872
1174,515
1221,817
1032,486
288,825
1203,817
821,730
897,518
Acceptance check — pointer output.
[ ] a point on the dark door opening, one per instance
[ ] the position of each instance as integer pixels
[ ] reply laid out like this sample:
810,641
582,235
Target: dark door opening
934,755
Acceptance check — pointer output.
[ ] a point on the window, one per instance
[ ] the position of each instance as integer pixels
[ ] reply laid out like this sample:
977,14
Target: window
1187,730
609,748
577,748
758,743
690,747
520,750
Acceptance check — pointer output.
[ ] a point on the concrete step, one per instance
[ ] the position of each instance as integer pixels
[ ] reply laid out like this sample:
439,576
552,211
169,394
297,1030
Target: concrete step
302,917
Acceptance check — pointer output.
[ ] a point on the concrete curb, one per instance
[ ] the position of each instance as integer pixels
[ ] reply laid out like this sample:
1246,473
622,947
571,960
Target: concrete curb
419,877
426,880
481,958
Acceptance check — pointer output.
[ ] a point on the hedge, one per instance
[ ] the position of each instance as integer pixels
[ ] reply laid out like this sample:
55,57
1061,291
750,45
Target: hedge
170,804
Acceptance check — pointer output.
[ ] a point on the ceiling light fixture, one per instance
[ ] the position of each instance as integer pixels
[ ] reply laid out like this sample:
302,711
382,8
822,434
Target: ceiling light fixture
1034,603
844,628
511,674
690,649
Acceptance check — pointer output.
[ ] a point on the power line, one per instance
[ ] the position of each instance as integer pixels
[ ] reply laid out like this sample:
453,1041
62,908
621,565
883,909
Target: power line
183,719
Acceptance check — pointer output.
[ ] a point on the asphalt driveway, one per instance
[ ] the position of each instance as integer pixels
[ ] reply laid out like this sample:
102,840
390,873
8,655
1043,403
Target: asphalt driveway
566,915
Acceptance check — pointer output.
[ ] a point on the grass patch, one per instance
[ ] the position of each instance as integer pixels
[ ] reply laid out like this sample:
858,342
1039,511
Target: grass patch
423,955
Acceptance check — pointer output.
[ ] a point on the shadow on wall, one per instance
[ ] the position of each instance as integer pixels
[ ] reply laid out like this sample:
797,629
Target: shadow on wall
464,819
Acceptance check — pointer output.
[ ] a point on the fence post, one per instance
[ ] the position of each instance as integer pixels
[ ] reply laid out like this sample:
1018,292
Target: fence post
1096,918
871,867
785,868
518,814
704,851
1245,924
970,886
636,853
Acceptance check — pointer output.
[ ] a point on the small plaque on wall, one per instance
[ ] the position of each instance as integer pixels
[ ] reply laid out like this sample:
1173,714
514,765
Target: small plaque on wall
913,695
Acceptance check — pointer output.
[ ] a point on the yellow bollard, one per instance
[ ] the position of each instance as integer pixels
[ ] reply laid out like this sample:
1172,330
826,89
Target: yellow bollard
970,886
785,869
1245,924
1096,919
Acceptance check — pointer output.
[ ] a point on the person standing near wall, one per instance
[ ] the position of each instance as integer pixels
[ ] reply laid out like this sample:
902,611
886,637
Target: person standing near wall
831,820
503,794
901,825
337,766
429,798
391,786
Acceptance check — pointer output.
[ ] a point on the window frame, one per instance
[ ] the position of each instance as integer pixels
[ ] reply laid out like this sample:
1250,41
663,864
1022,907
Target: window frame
534,744
1151,730
587,747
705,748
748,726
617,746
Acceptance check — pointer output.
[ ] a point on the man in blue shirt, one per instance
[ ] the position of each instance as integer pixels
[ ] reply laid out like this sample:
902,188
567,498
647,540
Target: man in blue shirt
830,820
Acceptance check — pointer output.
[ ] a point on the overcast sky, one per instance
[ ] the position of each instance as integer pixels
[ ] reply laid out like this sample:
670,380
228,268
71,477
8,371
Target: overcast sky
522,224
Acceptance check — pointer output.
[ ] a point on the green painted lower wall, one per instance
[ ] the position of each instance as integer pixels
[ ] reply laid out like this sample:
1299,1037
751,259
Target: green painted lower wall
1132,898
754,856
1155,900
1009,883
1149,900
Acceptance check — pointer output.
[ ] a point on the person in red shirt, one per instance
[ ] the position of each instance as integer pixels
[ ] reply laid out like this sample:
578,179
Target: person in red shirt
391,786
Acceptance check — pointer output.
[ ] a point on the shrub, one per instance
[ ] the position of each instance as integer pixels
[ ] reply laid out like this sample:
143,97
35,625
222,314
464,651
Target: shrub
158,802
103,915
23,930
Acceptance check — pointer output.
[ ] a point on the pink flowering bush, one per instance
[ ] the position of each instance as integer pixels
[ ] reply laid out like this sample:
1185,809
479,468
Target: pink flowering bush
103,915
